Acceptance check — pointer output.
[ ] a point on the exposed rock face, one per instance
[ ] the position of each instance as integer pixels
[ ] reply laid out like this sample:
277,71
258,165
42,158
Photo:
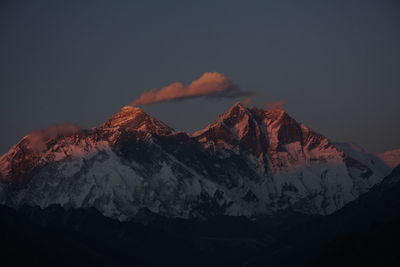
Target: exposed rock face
248,162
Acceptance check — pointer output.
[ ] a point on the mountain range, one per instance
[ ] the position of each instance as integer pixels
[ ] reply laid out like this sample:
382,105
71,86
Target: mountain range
250,162
365,232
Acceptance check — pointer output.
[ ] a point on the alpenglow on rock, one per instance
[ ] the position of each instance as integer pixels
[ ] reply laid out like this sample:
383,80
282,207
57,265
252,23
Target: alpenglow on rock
249,162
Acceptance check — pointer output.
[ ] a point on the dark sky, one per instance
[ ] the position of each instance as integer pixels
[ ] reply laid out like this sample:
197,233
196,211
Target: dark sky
336,63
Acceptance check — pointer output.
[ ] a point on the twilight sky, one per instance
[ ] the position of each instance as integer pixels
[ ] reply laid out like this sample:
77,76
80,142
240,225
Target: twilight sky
336,63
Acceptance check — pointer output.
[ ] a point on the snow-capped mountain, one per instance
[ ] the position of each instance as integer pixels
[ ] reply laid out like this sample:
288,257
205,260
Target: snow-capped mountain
248,162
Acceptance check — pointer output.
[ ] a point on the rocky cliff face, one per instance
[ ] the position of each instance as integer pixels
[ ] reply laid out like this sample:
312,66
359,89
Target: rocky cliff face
248,162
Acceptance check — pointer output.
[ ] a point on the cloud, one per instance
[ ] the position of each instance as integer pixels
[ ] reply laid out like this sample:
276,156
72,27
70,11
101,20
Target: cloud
39,139
247,101
210,84
276,105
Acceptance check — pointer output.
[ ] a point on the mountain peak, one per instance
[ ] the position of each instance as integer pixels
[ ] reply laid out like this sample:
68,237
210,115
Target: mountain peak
237,111
238,129
130,109
125,117
239,105
135,118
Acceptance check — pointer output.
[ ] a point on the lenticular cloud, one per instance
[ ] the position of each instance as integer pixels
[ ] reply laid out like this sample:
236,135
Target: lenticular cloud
210,84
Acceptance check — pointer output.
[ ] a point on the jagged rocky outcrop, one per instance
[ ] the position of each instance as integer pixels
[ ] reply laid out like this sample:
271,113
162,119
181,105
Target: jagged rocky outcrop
248,162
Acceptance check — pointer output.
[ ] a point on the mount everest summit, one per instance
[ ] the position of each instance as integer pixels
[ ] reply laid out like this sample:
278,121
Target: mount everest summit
248,162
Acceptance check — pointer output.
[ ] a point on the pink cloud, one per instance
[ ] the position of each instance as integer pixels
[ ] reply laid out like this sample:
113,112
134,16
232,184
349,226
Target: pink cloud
38,139
210,84
247,101
276,105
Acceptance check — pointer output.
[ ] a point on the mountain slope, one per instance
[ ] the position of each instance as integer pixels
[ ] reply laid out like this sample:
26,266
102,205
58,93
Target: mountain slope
312,242
249,162
363,233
